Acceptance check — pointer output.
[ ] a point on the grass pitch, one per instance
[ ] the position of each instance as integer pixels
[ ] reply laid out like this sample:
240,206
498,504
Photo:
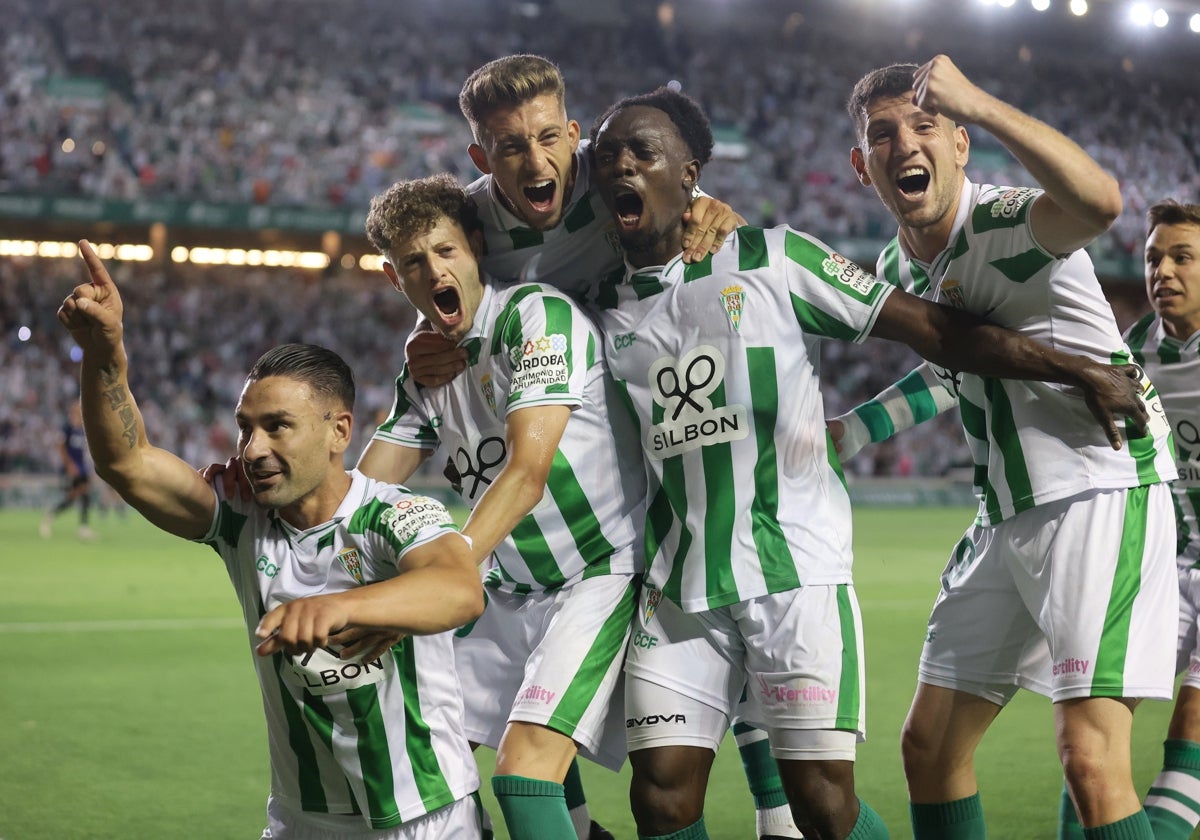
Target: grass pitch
130,708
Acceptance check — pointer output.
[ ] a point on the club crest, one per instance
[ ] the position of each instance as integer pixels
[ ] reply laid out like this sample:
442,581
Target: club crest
351,561
733,298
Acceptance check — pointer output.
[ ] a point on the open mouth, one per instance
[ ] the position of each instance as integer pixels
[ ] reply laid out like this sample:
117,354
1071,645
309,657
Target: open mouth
628,207
913,181
540,196
447,302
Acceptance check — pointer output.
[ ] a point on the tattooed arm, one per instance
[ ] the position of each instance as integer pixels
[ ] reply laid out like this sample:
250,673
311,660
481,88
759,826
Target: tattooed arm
162,487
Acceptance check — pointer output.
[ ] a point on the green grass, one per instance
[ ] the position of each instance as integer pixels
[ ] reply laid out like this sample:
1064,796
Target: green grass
130,708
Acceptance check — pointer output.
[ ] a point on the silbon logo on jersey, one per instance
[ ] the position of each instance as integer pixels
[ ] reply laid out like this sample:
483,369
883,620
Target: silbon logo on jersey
683,387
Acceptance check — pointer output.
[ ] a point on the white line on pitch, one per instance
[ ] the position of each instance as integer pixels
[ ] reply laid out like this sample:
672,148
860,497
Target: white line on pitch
120,625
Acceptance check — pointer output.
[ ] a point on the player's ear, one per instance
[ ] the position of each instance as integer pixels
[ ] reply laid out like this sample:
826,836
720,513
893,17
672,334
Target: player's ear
479,158
573,132
392,277
475,237
860,166
962,146
341,431
691,176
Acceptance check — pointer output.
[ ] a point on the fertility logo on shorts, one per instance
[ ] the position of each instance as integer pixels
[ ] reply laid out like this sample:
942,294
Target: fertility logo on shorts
684,387
733,298
351,561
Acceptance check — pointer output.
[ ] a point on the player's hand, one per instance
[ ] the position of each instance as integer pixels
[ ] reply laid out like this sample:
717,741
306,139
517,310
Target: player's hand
92,313
433,359
837,430
234,484
939,87
301,626
365,644
706,223
1115,391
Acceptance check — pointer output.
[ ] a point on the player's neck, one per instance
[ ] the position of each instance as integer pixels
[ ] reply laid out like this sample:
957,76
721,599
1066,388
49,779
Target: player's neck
319,506
925,243
1181,329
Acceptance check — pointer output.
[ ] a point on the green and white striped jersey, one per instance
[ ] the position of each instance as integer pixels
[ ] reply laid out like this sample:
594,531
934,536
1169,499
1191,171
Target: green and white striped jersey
717,362
383,738
570,256
1174,368
1032,442
531,346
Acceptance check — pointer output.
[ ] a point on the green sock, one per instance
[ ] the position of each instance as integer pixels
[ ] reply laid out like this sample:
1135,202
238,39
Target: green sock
1068,821
762,773
1173,804
869,825
577,801
695,831
1134,827
961,819
533,809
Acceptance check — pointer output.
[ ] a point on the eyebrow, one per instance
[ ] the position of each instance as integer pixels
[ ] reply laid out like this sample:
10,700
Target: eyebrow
273,415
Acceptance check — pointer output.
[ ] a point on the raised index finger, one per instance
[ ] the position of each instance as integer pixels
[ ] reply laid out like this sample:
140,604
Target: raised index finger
95,267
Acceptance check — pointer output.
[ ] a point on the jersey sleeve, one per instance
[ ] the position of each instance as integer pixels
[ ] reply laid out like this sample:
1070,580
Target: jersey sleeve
549,346
830,295
398,523
920,395
228,523
409,423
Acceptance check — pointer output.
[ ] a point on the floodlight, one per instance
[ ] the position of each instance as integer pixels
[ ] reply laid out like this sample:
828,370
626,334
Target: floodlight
1041,5
1079,8
1161,18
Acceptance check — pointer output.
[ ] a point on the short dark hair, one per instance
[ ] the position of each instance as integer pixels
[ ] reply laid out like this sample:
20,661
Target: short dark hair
687,115
410,208
881,83
1171,212
507,83
324,371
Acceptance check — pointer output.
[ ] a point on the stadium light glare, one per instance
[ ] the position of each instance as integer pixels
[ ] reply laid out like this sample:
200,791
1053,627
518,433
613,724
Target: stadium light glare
1194,23
1007,3
1139,13
1041,5
1161,18
1079,8
371,262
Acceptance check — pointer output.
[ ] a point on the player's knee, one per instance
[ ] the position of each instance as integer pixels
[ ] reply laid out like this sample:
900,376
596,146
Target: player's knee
822,796
1185,720
919,747
664,796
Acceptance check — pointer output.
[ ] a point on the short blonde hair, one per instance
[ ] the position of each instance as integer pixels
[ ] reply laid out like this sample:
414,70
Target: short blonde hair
508,82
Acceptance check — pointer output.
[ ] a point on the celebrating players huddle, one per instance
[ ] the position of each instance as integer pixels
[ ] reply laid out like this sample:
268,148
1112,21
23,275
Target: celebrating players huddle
624,376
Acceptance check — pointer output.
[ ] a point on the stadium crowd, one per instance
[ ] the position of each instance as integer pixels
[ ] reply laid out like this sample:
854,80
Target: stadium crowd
294,106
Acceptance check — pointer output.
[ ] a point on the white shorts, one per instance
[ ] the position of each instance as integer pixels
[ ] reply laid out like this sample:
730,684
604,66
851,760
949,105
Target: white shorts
1073,598
457,821
551,658
1187,650
798,654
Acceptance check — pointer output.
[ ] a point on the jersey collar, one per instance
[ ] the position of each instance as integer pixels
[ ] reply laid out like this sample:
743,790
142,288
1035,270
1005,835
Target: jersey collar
966,202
